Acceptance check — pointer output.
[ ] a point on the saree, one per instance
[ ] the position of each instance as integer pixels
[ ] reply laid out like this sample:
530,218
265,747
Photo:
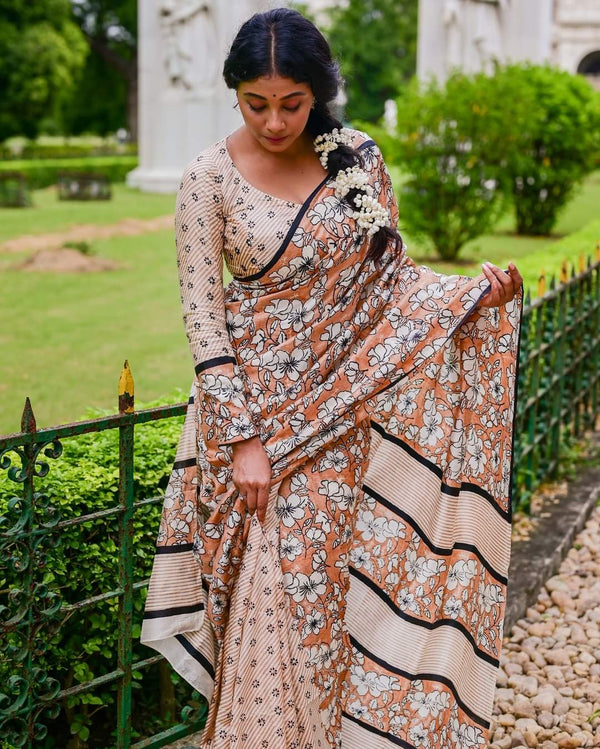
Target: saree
367,610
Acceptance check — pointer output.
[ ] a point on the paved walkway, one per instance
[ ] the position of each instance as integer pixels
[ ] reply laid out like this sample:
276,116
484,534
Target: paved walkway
548,693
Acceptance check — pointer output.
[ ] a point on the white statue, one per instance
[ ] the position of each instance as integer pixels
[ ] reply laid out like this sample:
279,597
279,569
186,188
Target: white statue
453,23
189,34
486,32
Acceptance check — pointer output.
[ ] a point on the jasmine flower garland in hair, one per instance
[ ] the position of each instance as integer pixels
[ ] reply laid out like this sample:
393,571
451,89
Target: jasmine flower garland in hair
369,214
328,142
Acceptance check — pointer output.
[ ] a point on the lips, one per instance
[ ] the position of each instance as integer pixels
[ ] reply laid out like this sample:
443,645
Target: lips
275,140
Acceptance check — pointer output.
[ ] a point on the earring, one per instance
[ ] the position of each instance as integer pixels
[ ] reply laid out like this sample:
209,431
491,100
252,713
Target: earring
313,105
236,105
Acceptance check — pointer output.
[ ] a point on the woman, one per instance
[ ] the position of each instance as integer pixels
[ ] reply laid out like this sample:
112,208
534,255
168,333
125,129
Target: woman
332,558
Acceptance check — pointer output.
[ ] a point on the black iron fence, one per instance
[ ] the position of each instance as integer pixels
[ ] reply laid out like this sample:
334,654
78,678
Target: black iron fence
54,625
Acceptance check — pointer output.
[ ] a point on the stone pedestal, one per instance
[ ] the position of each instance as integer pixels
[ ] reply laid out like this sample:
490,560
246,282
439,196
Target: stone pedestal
184,104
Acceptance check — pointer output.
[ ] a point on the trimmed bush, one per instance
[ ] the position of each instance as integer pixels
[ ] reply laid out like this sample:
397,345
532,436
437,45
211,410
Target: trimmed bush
44,172
69,150
527,134
451,141
559,140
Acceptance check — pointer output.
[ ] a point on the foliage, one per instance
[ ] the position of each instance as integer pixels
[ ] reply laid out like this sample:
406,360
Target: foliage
34,150
84,564
44,172
304,8
559,140
110,26
41,54
99,103
527,133
375,41
452,140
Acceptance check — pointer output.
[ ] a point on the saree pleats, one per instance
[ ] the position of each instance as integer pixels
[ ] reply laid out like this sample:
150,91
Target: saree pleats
368,610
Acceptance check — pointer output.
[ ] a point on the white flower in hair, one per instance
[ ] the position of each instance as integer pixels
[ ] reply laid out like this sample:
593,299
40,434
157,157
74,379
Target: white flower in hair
328,142
369,214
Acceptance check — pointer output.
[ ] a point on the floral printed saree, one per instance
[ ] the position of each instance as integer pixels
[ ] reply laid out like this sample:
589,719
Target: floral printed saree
367,611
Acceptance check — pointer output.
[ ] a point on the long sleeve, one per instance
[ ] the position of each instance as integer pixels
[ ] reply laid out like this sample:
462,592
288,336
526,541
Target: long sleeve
199,226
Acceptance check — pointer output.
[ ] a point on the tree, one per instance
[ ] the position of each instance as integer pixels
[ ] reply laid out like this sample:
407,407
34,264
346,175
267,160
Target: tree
110,27
560,140
41,54
375,41
99,102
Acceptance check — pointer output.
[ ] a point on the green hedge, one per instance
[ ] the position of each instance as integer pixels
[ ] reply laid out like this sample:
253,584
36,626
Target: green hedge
85,563
44,172
68,151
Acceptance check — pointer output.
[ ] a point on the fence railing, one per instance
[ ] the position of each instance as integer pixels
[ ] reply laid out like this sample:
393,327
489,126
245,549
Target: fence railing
559,372
558,388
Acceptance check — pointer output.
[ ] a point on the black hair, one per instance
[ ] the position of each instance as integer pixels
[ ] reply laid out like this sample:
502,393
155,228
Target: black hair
283,42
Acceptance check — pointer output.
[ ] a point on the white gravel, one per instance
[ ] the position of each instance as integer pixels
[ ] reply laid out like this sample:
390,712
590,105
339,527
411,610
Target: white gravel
548,689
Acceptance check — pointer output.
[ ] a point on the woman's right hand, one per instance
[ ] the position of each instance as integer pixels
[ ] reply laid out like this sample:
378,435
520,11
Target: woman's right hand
252,475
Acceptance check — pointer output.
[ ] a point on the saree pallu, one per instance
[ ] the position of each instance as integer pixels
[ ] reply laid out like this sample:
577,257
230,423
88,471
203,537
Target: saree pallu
367,611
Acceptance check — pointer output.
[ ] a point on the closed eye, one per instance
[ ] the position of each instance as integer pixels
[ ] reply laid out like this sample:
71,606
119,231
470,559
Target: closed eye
287,109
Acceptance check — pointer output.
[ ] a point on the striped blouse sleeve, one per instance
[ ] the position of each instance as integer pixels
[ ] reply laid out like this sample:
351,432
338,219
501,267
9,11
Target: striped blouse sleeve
199,227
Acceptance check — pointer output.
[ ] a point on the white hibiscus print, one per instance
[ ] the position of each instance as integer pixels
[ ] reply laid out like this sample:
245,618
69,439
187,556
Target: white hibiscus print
461,573
290,547
421,568
305,587
454,609
314,623
290,509
290,364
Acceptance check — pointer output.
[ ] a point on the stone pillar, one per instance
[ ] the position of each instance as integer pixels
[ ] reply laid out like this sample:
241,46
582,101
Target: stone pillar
528,31
184,104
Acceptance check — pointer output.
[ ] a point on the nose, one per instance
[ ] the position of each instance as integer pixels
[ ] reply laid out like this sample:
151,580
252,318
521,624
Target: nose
275,123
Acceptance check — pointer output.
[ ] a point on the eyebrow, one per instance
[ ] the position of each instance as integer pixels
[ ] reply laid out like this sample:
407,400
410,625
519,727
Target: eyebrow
287,96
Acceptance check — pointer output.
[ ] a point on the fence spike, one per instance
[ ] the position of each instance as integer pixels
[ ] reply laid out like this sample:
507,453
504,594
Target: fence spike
28,418
581,262
597,250
553,282
541,290
588,262
126,390
564,271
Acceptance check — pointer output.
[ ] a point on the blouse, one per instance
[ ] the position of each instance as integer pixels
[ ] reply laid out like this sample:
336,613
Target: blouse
219,214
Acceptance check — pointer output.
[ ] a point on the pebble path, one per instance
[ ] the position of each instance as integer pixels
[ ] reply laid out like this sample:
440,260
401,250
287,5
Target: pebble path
548,688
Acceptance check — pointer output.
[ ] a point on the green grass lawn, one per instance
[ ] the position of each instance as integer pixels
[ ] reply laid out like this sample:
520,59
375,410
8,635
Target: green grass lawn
68,335
49,214
65,337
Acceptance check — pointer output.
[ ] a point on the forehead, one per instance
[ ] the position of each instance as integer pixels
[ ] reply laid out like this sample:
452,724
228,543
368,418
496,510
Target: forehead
273,87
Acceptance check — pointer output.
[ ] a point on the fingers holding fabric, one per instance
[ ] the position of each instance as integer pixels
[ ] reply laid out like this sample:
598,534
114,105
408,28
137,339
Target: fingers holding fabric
503,285
252,475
